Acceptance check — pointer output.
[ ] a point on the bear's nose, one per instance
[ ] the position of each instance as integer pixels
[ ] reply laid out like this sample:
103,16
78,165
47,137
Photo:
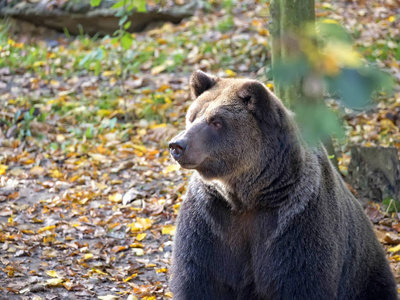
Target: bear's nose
177,149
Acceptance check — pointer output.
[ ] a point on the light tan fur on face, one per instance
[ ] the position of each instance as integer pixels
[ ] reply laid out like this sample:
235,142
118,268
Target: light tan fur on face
221,101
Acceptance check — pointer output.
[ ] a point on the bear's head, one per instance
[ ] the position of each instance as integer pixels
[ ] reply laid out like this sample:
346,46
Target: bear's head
233,126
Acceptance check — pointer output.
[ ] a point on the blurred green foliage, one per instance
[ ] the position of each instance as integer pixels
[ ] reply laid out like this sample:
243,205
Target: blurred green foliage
325,62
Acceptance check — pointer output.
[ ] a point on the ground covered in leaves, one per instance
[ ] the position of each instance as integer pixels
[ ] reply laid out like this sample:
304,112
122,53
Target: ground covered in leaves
88,194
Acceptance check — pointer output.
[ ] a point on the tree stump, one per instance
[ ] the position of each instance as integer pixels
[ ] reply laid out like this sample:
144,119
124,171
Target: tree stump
375,173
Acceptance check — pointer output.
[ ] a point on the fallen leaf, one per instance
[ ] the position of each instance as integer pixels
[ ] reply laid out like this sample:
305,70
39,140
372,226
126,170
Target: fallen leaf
141,236
168,229
54,281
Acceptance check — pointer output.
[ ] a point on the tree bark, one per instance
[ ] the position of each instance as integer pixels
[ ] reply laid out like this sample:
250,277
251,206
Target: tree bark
289,19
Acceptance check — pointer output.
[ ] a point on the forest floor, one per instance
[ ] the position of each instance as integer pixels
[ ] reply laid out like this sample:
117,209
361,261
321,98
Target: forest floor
88,201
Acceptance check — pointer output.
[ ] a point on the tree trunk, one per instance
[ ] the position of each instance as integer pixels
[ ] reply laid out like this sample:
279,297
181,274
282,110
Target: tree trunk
289,19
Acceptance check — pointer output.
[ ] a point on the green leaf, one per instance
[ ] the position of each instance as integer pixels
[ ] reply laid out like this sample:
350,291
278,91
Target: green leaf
27,116
112,123
97,68
119,4
126,41
99,54
88,57
127,25
17,115
357,86
140,5
95,3
287,72
122,20
317,123
89,132
333,31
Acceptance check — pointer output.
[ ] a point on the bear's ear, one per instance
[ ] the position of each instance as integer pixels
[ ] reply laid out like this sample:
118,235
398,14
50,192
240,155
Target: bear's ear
253,94
200,82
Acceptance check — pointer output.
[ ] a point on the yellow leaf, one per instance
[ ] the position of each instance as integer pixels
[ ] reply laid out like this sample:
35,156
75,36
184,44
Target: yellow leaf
52,273
395,257
162,125
115,198
55,173
3,169
169,294
88,256
394,249
141,224
150,265
43,229
176,207
141,148
108,73
136,245
388,124
98,271
158,69
230,73
29,161
329,21
162,270
138,251
38,64
104,112
116,181
54,281
342,55
113,81
130,277
54,83
140,237
117,249
168,229
391,19
171,168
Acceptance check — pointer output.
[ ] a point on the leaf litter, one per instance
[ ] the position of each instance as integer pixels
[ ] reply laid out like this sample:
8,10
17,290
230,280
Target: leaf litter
88,202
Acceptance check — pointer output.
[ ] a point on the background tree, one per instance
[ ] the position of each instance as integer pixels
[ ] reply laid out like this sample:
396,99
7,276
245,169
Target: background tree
309,59
290,19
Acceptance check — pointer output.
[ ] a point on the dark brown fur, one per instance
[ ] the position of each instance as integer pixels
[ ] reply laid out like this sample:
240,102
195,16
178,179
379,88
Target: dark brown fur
265,216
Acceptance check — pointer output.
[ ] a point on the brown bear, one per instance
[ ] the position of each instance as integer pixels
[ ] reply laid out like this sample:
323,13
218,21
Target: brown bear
265,216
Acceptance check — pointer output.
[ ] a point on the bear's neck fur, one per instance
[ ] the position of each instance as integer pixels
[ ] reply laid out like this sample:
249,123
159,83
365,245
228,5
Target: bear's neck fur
271,182
276,190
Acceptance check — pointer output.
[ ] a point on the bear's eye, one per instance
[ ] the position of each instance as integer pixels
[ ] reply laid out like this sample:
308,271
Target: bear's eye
217,124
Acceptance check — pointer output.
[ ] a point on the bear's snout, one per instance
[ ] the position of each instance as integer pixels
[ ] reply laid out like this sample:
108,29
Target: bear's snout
177,148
